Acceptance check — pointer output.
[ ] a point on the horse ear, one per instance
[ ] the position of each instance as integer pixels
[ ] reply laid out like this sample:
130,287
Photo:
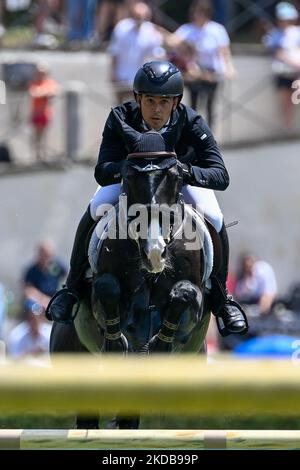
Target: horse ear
173,133
131,136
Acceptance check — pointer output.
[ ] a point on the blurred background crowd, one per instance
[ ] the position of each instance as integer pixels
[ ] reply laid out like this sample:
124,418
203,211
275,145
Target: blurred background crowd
64,63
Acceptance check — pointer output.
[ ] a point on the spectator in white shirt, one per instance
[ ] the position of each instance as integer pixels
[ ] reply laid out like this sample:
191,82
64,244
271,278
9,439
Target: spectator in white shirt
213,54
32,336
135,40
284,42
256,283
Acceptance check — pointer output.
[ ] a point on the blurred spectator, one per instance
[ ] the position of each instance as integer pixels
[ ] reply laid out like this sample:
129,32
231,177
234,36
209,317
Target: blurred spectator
3,310
255,283
42,279
41,90
109,13
5,155
81,20
2,29
184,55
284,42
135,40
221,11
292,300
31,337
255,287
48,23
213,53
16,5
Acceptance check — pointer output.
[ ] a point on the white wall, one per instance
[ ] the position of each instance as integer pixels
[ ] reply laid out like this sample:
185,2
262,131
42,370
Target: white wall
247,107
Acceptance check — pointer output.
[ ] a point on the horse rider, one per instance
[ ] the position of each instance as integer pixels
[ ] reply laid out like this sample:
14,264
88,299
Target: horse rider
158,89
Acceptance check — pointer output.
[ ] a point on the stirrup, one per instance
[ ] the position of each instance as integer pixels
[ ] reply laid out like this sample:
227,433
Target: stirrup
220,322
57,294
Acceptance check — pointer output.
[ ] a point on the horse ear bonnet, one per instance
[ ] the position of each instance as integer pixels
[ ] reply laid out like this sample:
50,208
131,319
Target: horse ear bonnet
152,141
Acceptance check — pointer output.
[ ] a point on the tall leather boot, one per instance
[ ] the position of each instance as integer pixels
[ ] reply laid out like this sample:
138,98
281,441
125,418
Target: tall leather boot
229,314
60,308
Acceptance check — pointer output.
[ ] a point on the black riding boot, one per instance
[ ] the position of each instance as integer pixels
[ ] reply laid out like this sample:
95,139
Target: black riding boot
230,316
60,308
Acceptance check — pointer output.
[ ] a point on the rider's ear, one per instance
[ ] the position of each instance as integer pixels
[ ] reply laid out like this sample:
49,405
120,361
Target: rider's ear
175,103
138,99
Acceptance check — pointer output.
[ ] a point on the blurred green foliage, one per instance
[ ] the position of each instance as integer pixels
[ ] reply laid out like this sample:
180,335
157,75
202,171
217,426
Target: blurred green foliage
55,421
17,36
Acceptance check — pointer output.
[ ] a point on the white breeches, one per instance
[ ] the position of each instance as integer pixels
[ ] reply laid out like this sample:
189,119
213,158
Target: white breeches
202,199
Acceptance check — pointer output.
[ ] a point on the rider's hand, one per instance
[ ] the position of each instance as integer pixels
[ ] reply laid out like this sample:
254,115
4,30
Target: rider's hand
186,171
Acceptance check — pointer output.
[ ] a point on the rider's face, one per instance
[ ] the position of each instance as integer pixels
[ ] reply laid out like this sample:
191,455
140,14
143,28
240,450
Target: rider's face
156,110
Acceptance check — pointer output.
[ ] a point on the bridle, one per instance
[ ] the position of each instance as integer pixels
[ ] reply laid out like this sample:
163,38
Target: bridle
150,155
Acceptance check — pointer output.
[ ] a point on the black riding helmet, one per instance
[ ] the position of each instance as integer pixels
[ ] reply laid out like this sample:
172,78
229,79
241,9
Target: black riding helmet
161,78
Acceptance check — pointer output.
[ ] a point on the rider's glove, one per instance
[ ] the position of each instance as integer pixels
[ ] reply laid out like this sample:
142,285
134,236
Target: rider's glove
187,173
120,170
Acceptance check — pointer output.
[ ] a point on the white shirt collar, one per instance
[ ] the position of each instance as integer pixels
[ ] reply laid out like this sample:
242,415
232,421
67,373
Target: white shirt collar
160,131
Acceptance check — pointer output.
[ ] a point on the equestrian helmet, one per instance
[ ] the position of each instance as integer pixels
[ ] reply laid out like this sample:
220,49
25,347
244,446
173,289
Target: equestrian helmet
158,78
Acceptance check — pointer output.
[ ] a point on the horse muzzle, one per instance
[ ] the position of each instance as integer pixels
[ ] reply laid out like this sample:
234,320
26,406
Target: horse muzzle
155,252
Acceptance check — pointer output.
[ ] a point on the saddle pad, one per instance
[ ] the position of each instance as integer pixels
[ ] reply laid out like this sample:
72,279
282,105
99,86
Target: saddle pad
102,229
204,239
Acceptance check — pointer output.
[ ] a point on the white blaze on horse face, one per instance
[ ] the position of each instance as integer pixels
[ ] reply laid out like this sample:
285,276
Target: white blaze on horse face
155,246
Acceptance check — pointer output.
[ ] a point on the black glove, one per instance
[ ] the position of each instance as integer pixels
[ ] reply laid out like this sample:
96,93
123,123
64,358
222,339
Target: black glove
186,171
119,170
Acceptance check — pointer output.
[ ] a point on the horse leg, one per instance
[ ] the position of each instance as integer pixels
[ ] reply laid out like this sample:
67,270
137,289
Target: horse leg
64,339
86,422
124,422
107,291
184,295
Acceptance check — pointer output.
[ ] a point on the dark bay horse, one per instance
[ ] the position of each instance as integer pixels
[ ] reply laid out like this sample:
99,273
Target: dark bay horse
147,293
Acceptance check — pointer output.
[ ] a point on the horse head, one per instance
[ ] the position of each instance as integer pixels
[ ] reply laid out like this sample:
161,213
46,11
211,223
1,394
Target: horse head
152,183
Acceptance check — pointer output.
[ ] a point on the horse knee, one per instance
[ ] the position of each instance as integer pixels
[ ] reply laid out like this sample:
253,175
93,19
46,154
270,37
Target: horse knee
185,294
107,288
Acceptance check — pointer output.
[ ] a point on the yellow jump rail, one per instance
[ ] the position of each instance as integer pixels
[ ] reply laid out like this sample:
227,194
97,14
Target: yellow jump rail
169,384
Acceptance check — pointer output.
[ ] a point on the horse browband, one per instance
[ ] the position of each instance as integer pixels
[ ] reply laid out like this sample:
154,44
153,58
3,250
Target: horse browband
150,155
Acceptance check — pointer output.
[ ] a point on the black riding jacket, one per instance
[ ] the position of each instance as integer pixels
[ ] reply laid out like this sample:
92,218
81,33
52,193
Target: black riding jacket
196,146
